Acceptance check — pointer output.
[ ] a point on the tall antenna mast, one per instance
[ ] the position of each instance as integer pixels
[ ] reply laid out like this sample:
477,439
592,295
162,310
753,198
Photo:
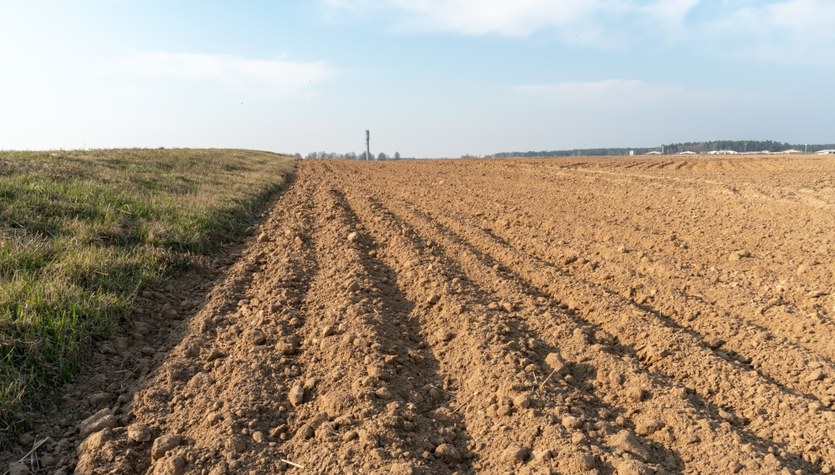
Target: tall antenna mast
367,145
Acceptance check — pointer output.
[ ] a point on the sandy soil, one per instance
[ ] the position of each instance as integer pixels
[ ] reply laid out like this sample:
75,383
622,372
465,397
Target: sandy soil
629,316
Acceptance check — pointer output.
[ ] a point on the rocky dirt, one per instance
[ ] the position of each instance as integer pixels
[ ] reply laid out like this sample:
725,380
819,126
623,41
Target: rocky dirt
629,316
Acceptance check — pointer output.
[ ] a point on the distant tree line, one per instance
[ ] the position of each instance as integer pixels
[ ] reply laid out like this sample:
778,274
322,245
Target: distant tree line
570,153
355,156
741,146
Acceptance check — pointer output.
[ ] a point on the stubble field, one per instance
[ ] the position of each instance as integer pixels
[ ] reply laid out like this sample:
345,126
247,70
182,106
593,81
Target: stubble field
630,316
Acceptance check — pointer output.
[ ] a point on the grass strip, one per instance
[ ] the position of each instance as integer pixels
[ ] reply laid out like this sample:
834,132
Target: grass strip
81,232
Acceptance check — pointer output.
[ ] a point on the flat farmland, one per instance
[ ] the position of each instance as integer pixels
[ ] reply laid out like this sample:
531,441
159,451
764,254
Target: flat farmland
588,315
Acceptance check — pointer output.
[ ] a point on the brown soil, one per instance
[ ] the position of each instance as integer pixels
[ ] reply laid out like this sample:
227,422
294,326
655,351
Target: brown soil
630,316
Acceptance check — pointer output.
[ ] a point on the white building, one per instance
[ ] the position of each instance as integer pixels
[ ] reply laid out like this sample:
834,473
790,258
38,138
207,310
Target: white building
826,152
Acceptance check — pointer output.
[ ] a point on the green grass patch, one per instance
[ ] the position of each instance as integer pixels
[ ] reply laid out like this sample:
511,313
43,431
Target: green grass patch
81,232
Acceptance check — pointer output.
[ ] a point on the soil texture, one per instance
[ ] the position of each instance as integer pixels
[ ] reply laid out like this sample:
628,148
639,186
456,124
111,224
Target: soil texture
608,316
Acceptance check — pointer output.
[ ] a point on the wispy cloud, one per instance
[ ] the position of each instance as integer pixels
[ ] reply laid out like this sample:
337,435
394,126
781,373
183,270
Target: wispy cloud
787,32
669,16
579,21
781,31
262,78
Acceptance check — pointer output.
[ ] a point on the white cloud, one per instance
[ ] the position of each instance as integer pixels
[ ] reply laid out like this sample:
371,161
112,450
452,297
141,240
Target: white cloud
262,78
669,14
787,32
596,22
776,31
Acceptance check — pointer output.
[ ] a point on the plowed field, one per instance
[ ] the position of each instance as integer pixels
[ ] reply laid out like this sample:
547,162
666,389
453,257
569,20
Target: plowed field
629,316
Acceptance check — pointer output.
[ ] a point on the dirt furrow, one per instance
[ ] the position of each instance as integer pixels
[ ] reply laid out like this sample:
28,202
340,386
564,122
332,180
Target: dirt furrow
622,380
767,266
720,381
481,350
796,367
599,316
214,392
757,293
361,406
799,338
678,354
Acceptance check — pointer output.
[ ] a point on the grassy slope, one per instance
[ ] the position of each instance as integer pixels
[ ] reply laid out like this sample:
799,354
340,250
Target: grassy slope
81,232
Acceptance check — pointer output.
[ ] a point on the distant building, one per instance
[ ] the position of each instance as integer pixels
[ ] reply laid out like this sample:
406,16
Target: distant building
654,152
687,152
790,151
826,152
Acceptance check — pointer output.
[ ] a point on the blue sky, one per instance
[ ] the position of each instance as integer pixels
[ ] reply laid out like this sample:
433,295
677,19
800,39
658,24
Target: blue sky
430,78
